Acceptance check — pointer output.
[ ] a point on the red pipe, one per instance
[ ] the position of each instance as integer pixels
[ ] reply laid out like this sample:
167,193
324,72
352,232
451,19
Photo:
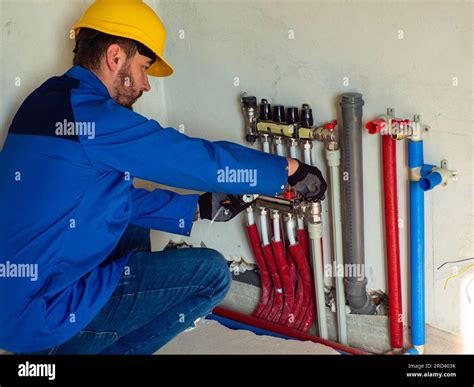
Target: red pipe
302,235
284,271
297,310
265,280
391,236
283,330
277,286
291,264
305,272
268,308
310,311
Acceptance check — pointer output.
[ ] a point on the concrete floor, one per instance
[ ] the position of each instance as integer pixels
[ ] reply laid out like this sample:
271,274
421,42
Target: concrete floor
369,333
210,337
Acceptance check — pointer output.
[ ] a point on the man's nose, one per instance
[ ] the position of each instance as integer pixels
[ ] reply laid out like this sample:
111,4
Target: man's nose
146,84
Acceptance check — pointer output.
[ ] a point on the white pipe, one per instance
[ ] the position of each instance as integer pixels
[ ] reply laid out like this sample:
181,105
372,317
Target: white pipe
334,160
266,145
307,153
300,222
279,146
315,235
290,228
276,226
250,218
279,149
294,149
264,228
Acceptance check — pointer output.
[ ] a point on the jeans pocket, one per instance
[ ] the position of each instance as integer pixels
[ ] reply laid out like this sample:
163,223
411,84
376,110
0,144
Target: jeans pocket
86,343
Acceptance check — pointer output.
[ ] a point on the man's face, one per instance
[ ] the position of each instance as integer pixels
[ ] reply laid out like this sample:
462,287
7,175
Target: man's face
131,80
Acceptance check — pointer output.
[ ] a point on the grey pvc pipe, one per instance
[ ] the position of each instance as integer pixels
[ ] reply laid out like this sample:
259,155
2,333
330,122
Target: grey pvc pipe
356,286
334,160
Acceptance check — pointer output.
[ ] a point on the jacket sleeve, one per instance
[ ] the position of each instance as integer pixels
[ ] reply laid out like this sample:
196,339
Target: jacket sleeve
163,210
129,142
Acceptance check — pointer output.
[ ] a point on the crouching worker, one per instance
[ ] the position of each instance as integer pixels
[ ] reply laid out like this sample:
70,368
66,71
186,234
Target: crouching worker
70,214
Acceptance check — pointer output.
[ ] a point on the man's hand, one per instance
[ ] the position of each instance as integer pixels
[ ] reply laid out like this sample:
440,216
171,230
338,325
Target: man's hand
309,182
225,206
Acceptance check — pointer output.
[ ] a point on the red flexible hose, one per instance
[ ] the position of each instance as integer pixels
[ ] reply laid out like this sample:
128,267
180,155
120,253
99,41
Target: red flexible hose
290,332
310,311
391,236
268,308
291,264
277,286
297,310
302,235
305,272
284,270
265,280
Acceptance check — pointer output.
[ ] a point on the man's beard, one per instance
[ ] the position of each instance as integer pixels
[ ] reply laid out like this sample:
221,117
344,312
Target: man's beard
124,92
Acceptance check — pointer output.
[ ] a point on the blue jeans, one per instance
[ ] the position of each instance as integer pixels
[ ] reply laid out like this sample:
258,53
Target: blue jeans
159,295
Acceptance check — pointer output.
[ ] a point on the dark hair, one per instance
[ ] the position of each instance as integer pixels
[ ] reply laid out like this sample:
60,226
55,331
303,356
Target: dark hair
91,46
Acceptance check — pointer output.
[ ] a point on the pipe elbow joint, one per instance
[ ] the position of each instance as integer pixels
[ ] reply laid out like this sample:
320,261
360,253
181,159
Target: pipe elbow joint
436,177
359,301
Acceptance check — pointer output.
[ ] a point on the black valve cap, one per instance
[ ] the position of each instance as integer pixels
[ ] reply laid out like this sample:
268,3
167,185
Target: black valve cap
265,110
306,116
251,138
278,113
249,102
292,116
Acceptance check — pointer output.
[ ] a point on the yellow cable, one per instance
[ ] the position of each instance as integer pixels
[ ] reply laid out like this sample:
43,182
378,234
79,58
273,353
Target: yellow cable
458,274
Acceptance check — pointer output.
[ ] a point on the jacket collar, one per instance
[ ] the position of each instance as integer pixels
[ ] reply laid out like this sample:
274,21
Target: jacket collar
88,79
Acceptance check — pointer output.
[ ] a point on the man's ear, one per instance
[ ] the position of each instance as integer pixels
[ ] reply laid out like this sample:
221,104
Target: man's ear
113,57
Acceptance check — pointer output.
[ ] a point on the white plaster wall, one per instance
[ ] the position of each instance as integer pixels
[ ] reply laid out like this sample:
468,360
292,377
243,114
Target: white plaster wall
359,41
397,54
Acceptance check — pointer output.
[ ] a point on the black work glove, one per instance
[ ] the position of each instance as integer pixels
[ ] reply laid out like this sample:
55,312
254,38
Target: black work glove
309,182
210,204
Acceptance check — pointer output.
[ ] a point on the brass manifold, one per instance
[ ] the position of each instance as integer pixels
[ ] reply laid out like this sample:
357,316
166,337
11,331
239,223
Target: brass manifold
298,207
294,131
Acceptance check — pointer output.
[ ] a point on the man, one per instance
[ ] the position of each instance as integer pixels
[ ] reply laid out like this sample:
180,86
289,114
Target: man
78,274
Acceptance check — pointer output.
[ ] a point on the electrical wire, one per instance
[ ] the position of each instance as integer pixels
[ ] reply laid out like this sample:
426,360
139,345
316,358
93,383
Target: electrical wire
459,260
465,269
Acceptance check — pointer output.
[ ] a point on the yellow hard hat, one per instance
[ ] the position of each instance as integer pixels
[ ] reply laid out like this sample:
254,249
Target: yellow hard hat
131,19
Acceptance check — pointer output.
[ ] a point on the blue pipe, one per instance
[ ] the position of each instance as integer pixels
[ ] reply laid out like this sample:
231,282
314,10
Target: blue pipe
417,263
430,181
417,248
412,351
426,169
415,154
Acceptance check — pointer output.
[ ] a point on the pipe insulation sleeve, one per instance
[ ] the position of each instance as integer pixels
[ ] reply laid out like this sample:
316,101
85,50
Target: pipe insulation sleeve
392,240
277,286
417,264
433,179
415,154
284,271
265,279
